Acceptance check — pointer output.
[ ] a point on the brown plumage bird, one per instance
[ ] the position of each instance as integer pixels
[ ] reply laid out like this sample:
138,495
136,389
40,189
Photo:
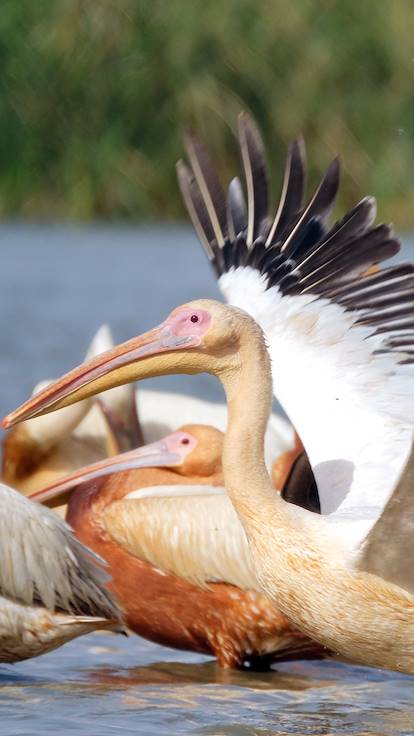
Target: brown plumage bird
178,555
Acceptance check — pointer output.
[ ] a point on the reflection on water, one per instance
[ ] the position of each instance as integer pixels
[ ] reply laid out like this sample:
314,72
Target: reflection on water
104,684
206,673
56,287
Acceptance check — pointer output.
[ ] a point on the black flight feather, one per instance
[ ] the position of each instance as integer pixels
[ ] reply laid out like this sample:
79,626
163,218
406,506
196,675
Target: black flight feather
209,186
236,209
255,168
293,190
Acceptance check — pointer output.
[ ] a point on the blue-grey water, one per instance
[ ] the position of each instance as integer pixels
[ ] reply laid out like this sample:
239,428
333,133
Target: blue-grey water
57,285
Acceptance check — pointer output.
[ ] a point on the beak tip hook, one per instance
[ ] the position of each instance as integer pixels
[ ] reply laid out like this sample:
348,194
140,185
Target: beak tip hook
6,422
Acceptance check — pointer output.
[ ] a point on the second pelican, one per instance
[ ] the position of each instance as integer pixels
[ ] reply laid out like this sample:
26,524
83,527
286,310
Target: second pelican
178,556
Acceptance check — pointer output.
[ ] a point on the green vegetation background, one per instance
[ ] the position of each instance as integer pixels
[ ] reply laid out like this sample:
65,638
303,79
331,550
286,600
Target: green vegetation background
95,95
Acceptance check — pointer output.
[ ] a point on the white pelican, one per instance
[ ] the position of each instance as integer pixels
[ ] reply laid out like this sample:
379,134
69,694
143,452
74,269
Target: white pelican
301,281
52,588
156,413
177,554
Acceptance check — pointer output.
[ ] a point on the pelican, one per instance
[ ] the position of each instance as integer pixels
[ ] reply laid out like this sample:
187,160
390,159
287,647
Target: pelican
178,556
47,448
157,413
52,588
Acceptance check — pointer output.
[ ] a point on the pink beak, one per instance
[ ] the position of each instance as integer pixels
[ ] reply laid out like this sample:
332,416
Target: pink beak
107,370
169,452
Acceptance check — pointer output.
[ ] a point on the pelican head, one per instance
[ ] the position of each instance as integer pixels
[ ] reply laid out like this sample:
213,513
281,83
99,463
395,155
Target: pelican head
172,451
201,336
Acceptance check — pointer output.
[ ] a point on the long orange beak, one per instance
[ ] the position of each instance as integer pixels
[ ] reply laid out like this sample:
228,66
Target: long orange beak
165,453
112,368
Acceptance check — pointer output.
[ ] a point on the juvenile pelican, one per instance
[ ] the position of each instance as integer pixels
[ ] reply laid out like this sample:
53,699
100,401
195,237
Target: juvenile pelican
52,588
178,556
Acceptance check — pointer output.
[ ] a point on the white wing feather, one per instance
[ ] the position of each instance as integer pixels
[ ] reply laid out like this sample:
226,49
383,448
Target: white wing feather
353,409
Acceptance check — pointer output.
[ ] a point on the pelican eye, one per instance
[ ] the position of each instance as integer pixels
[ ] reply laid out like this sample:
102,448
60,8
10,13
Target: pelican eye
194,318
185,441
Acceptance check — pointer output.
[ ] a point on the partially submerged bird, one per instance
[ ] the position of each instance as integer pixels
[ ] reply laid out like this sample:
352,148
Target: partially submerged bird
178,556
342,346
52,588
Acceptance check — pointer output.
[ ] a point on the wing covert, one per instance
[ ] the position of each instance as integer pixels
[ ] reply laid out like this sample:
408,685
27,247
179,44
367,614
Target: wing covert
190,531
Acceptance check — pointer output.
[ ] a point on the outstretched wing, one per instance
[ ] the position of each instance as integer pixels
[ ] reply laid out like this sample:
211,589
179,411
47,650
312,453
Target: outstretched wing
42,563
190,531
340,327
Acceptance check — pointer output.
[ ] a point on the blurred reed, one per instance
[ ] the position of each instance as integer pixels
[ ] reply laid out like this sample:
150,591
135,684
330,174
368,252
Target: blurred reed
95,95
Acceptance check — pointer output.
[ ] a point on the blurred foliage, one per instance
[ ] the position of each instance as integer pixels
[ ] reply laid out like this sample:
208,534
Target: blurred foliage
96,93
